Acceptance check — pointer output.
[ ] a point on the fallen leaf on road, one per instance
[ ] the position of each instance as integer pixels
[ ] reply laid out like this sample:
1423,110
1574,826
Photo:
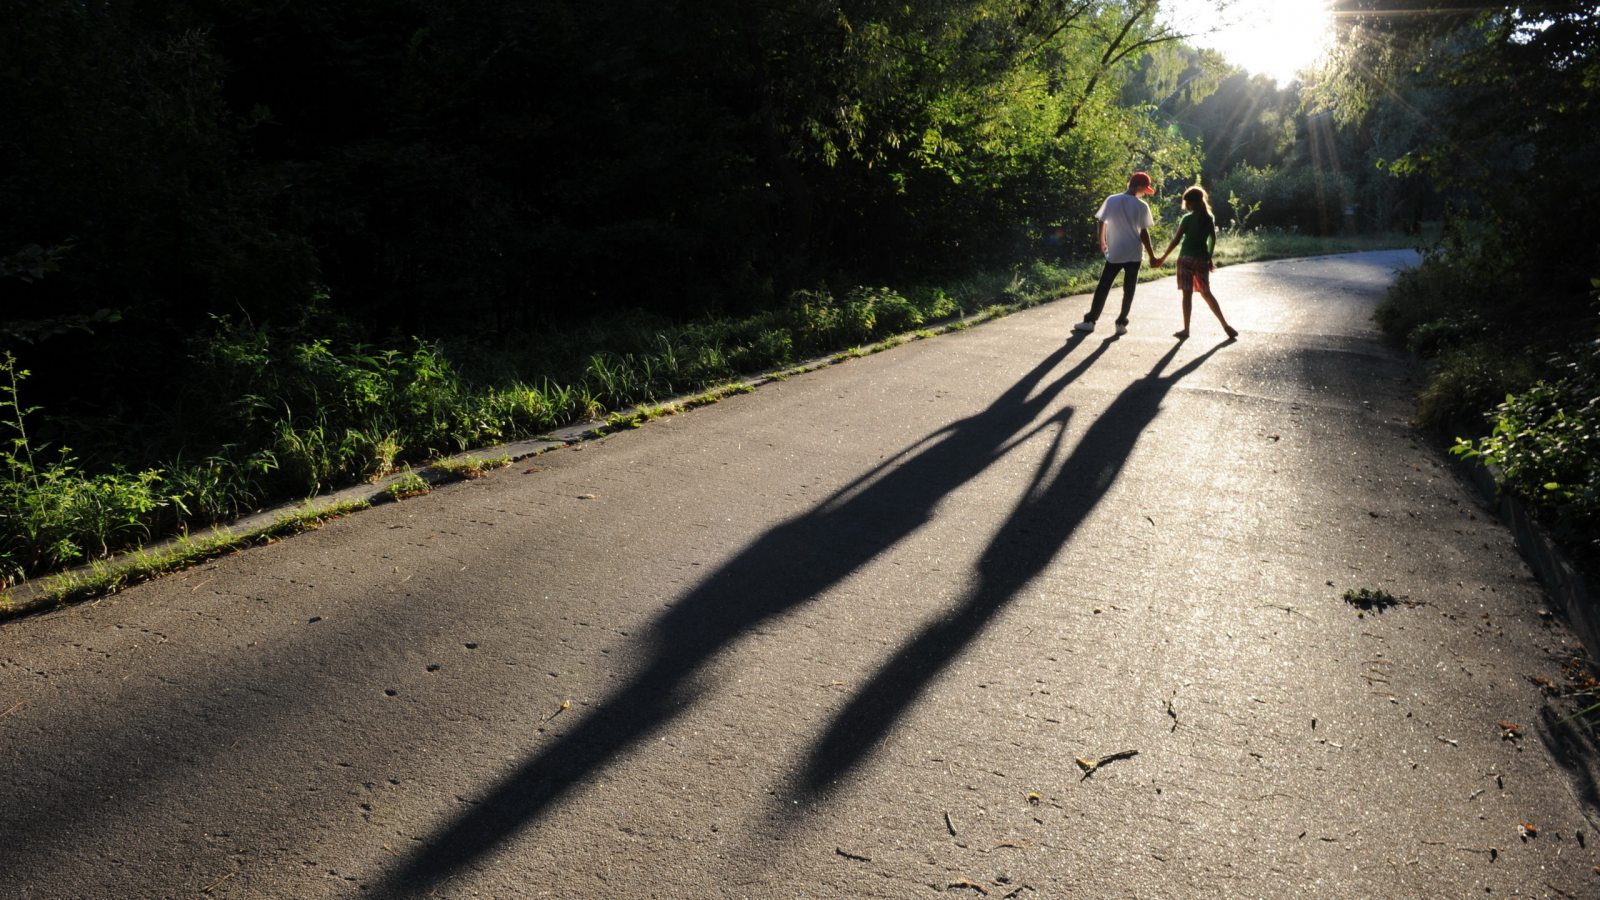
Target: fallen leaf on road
963,883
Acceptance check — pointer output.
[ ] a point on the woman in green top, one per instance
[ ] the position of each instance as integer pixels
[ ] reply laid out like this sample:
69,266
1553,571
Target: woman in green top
1197,230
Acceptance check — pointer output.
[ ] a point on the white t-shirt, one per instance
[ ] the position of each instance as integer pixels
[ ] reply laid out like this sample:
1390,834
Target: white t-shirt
1124,215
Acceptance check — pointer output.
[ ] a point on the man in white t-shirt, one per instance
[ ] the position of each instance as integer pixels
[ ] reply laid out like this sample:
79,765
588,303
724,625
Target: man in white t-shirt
1125,222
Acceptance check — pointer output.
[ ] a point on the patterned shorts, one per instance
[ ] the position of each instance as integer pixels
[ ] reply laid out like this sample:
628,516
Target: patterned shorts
1194,273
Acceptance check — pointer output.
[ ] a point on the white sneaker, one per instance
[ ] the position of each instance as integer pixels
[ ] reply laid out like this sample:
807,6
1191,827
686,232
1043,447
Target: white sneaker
1121,330
1084,327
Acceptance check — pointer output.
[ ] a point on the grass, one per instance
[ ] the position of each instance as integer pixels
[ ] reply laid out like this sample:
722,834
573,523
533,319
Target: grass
470,466
274,414
1264,244
407,486
108,577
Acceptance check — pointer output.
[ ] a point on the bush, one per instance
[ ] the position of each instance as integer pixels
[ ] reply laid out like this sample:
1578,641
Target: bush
1310,200
1547,443
1466,382
1438,291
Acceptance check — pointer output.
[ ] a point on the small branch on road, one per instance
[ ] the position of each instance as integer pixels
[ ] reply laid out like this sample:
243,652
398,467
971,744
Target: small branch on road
1089,766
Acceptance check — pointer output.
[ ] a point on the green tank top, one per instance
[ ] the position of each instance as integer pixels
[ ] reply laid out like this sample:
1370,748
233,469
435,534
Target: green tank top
1199,232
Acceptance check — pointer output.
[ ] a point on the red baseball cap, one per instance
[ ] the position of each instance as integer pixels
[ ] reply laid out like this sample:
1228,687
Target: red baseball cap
1140,181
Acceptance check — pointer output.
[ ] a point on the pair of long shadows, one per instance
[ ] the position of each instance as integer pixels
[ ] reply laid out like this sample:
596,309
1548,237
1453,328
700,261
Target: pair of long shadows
799,560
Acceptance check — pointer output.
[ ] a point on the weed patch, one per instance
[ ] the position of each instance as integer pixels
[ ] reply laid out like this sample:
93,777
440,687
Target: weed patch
470,466
406,486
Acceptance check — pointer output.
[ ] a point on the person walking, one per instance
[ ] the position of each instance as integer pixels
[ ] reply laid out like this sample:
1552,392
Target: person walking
1197,231
1124,225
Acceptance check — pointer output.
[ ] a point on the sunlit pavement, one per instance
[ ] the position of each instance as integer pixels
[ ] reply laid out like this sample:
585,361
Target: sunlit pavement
848,637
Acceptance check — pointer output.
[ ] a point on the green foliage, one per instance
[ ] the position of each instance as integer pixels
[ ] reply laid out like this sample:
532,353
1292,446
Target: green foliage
1234,247
32,262
407,485
1455,310
51,511
1310,199
104,577
470,466
1546,441
1468,380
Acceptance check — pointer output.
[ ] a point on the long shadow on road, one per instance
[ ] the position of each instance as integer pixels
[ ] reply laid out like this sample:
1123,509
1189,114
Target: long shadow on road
1057,502
784,568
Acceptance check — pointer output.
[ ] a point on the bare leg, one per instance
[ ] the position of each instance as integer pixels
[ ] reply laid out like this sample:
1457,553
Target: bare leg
1188,303
1211,301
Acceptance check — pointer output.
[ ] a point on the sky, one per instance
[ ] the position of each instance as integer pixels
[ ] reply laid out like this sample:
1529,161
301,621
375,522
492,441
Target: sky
1268,37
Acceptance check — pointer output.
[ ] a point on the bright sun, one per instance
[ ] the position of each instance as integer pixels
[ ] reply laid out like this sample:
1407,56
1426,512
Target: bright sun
1276,38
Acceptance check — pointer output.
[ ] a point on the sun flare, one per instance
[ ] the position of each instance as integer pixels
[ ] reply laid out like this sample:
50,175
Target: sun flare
1276,38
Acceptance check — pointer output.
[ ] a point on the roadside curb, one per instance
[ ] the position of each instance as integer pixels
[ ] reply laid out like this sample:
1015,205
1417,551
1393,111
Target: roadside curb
1549,564
45,592
156,559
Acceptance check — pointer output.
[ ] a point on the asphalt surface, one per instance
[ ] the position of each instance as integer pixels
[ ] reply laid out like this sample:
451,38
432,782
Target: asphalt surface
848,637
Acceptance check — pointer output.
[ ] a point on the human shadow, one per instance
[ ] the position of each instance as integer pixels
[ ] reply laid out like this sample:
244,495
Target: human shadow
784,568
1059,498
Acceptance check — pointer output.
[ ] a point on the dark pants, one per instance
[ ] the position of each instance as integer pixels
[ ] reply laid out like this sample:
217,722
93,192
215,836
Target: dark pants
1130,280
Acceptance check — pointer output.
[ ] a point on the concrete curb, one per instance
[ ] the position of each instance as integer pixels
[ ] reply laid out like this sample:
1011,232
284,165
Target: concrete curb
28,598
1561,578
31,597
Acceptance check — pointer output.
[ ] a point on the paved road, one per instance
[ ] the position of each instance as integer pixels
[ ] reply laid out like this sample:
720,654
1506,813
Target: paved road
846,638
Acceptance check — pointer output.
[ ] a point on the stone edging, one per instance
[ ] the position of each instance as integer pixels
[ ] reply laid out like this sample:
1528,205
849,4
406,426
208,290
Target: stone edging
29,597
1561,578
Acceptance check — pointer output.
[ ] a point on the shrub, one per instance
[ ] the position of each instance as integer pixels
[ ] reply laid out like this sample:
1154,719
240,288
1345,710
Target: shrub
1470,380
1311,200
1546,440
